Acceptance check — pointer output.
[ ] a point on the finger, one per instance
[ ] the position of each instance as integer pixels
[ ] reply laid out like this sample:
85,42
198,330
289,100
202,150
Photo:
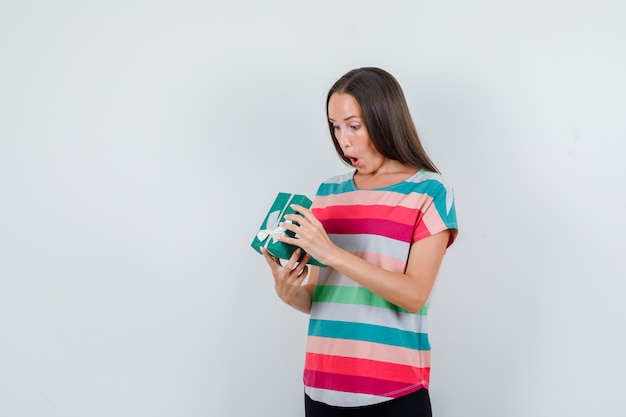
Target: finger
304,268
293,259
297,217
300,209
289,240
304,229
303,271
271,261
288,225
305,213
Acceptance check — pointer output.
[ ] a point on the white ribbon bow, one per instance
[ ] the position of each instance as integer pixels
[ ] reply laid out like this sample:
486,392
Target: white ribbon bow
272,227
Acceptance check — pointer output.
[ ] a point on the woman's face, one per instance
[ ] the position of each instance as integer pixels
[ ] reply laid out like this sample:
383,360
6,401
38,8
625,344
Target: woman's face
344,113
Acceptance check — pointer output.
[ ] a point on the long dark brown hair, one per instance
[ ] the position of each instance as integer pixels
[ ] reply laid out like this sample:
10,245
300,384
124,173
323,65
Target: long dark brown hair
385,115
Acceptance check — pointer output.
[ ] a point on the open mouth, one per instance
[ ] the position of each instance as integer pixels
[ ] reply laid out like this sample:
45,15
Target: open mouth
354,161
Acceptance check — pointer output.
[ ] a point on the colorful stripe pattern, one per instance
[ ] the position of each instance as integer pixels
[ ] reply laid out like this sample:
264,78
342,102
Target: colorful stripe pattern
361,349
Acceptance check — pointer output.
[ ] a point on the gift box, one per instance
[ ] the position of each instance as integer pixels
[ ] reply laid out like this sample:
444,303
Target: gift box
270,228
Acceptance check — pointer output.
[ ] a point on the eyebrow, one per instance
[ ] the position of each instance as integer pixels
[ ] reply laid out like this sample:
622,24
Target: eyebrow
346,119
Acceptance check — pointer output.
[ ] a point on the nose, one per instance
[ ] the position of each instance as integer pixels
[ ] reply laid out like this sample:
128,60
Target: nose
342,138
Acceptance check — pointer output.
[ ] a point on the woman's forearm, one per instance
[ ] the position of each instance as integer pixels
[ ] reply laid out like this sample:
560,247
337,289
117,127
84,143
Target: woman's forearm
301,299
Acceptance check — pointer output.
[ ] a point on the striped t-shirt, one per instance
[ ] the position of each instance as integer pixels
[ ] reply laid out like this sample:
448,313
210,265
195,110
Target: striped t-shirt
361,349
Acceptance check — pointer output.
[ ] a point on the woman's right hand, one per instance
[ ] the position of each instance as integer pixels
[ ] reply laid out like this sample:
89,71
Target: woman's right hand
288,279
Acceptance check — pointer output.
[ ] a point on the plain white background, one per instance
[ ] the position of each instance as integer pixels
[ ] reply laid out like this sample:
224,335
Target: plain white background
141,143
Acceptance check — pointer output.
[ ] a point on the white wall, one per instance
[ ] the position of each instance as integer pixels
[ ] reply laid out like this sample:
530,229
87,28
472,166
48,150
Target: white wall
141,143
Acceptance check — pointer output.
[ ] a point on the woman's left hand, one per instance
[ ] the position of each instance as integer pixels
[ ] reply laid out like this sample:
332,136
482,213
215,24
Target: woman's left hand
311,235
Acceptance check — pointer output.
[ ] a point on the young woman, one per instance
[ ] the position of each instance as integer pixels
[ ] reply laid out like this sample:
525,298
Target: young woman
382,229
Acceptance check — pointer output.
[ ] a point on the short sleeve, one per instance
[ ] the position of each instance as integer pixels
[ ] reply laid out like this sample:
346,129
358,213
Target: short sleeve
438,210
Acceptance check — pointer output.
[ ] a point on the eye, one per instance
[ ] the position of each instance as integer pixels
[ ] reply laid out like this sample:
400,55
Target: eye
355,127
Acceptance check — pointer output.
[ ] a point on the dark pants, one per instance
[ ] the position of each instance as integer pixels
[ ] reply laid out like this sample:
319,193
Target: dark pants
416,404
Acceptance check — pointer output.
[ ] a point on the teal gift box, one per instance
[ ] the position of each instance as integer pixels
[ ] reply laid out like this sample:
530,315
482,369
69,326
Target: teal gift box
271,227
